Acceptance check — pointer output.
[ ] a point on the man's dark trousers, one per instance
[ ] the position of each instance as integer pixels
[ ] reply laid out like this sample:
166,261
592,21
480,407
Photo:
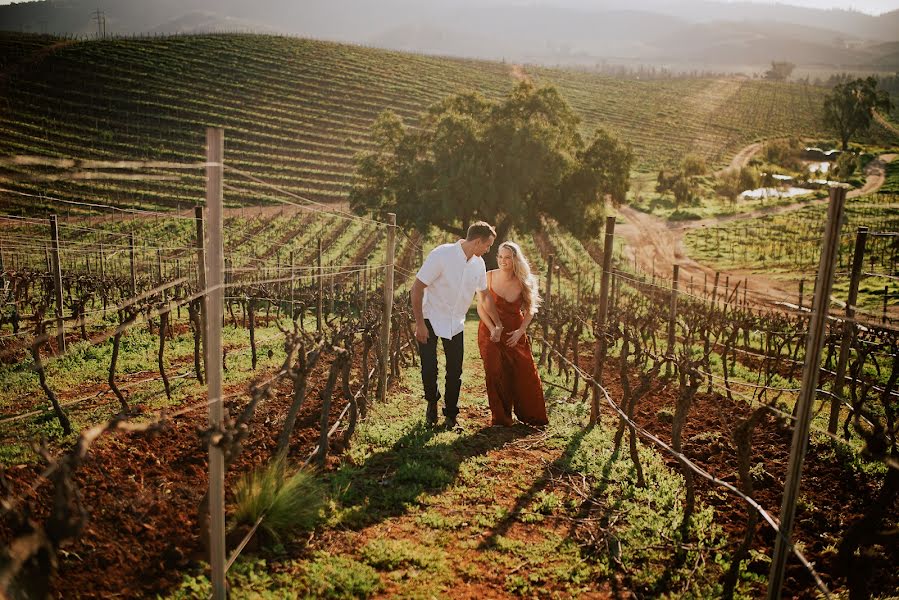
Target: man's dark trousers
453,349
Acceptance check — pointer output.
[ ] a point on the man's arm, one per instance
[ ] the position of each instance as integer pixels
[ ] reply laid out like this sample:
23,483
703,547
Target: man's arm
418,295
486,300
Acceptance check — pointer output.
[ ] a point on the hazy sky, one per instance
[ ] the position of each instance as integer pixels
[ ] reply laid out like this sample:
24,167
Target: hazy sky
869,6
874,7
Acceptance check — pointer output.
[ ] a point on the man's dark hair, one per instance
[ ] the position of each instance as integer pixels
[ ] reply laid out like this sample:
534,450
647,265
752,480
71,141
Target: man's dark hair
480,230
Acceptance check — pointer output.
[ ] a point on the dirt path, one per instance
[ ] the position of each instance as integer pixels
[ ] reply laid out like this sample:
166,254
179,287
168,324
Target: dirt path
885,123
658,245
519,74
468,537
657,248
876,176
742,158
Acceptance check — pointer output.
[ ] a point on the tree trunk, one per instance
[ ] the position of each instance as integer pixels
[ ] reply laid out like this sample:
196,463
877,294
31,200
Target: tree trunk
163,327
502,232
251,310
39,367
116,340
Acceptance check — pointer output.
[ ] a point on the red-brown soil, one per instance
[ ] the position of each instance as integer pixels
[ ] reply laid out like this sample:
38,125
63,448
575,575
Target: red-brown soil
832,496
141,494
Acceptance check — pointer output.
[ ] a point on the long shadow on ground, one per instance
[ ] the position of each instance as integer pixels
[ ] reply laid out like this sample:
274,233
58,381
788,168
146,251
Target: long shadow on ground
389,482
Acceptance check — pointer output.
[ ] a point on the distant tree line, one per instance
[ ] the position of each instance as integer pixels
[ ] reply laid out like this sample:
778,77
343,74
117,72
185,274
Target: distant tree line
649,72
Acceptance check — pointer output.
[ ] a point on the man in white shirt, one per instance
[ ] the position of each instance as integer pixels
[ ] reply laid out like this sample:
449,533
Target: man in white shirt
441,296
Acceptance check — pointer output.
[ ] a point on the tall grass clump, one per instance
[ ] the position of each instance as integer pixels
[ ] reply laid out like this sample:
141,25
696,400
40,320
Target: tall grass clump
287,503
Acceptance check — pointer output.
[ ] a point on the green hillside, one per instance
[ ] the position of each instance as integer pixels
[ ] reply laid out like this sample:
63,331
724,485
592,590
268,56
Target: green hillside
297,111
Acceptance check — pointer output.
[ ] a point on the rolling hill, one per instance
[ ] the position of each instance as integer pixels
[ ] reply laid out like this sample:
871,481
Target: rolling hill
297,111
572,32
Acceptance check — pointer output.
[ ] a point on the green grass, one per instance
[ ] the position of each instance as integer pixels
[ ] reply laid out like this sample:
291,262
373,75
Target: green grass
86,368
394,555
447,470
338,578
247,578
324,577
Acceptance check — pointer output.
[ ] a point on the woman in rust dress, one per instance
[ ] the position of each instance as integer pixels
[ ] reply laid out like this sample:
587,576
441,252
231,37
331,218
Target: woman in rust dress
513,384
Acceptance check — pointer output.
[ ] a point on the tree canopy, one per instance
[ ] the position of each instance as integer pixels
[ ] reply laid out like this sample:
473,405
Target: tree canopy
509,163
780,70
850,107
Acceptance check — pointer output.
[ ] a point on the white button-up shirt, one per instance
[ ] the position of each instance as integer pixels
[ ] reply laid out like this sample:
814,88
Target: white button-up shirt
451,282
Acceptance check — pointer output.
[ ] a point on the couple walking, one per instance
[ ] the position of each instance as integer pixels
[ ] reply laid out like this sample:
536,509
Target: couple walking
507,299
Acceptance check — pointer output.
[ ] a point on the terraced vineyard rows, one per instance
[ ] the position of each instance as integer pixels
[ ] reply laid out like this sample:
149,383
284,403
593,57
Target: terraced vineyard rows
297,111
713,118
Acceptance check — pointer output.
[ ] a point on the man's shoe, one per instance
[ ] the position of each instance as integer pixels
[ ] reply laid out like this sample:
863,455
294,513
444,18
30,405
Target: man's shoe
451,424
431,414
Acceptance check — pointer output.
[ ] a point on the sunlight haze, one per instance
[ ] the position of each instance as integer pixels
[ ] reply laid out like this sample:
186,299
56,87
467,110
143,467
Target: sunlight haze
873,7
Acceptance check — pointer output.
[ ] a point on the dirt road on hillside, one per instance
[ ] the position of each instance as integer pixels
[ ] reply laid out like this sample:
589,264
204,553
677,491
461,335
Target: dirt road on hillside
886,124
658,245
518,73
742,158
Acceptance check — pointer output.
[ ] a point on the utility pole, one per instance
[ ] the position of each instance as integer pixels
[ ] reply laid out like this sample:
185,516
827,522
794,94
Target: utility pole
100,18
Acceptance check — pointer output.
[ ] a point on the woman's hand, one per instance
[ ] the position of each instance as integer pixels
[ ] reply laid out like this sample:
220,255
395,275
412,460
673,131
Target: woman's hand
514,337
496,334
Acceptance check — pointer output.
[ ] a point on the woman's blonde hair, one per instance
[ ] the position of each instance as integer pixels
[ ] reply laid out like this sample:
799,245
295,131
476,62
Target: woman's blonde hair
530,292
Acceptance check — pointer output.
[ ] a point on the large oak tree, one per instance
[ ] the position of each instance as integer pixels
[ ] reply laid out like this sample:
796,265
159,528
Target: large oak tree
850,107
508,163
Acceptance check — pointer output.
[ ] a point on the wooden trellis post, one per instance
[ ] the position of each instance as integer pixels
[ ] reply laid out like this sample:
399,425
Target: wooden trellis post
133,269
331,283
365,288
318,314
293,285
601,313
214,314
201,279
672,318
547,303
858,256
159,269
57,285
810,372
715,289
388,306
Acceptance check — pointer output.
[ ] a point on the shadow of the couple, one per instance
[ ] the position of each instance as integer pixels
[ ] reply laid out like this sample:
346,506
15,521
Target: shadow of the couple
423,460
